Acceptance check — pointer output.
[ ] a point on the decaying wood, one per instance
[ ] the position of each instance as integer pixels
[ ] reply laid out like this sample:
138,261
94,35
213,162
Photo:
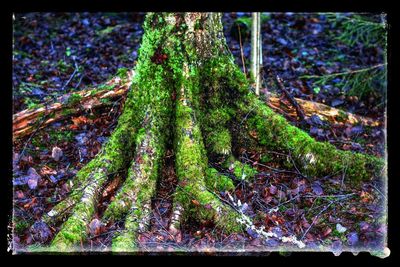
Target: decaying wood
331,114
28,120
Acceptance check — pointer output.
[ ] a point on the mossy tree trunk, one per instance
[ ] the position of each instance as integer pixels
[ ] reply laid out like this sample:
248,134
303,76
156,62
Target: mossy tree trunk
187,90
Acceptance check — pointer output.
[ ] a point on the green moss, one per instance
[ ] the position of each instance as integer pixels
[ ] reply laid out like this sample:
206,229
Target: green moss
105,101
191,161
67,111
342,116
20,226
122,73
217,181
106,31
265,158
314,158
61,136
241,170
220,141
123,242
32,103
103,87
72,233
74,99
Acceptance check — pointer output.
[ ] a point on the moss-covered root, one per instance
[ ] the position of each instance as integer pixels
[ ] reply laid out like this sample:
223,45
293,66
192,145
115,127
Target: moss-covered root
116,154
134,198
136,222
61,210
218,182
141,179
191,164
176,218
73,231
313,158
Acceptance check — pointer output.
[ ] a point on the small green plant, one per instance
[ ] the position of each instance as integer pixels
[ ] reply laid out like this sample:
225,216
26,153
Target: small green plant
317,89
122,73
106,31
342,116
266,158
105,101
363,29
68,51
74,99
20,226
61,136
368,31
106,87
361,82
20,53
243,24
32,103
63,66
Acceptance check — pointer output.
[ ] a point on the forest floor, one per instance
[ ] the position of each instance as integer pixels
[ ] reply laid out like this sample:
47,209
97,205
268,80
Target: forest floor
58,54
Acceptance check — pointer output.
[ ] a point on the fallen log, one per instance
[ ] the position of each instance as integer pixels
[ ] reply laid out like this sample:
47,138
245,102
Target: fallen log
28,120
326,112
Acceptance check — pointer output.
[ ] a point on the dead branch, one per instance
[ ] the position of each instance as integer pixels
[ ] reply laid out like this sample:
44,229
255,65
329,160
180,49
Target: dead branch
331,114
26,121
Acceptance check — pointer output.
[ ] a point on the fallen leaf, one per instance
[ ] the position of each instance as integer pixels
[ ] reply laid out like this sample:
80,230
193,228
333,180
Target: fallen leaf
40,232
340,228
317,189
33,178
46,170
79,120
253,134
195,202
326,232
96,227
111,186
56,153
273,189
30,203
19,194
352,238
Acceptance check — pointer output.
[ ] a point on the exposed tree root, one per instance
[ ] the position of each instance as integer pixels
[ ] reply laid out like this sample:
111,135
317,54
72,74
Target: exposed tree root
313,158
191,164
89,181
136,193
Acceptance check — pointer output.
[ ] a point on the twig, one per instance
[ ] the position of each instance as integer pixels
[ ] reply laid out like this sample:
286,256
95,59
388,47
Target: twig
324,209
295,166
291,99
80,80
342,73
245,117
241,51
316,218
71,77
379,191
271,168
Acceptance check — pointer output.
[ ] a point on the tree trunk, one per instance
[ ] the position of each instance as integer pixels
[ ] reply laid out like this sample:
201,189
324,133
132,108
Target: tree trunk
188,90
